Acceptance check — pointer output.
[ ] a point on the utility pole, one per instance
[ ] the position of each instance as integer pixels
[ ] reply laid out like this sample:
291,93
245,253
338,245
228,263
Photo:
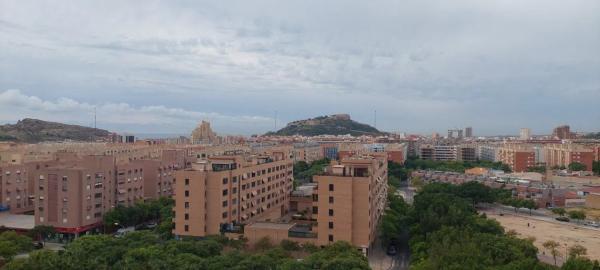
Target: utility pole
375,117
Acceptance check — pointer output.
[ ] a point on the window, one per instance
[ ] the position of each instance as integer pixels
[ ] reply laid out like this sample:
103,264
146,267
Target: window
187,205
187,183
331,212
224,214
330,237
225,181
330,199
234,190
187,193
330,187
315,210
187,216
187,228
225,192
224,203
330,225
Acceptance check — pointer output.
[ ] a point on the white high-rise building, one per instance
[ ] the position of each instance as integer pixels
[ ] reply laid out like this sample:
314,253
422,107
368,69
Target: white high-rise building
525,134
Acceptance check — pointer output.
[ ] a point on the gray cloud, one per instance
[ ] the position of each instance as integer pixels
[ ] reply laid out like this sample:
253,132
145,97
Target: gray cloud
424,65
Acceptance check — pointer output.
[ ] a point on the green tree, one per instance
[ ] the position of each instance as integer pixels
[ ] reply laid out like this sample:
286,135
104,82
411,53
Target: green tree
552,247
577,215
12,244
576,166
577,251
263,244
579,263
529,204
41,232
39,259
559,211
290,245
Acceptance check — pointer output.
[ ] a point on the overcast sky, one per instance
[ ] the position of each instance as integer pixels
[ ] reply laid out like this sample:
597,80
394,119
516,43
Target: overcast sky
162,66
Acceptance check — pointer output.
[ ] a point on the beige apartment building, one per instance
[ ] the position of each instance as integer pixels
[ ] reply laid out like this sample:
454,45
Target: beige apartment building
351,198
221,192
567,153
74,195
518,157
307,152
345,203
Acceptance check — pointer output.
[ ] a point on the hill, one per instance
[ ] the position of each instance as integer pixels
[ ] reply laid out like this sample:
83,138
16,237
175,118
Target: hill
337,124
34,131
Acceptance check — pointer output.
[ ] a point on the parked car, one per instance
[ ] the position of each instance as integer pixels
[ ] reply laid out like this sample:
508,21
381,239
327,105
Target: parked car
123,231
391,250
38,245
563,219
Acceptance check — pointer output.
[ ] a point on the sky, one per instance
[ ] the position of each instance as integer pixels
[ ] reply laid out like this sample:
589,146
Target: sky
251,66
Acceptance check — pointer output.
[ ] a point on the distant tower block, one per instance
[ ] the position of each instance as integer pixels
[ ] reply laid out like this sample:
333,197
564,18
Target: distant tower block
468,132
203,134
525,134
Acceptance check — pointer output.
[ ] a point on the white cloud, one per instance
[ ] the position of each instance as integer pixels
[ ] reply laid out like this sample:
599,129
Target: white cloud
15,105
479,63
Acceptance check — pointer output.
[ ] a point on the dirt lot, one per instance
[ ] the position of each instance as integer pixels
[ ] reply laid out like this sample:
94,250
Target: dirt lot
544,231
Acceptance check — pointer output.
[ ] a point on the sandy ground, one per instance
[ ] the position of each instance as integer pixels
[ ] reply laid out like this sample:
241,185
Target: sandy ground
565,234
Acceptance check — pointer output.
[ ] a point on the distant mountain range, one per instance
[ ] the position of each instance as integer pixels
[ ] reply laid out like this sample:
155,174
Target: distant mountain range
34,131
337,124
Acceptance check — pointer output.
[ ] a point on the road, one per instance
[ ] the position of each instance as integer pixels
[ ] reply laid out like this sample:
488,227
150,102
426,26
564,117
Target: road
535,214
378,259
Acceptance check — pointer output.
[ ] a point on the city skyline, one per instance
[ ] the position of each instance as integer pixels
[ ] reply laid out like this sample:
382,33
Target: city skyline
165,66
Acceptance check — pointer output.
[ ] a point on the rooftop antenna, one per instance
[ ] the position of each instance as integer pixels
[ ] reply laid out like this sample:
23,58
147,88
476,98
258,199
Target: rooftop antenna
275,120
375,117
94,117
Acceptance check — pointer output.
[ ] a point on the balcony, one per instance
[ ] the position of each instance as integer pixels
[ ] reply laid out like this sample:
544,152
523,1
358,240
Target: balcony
302,231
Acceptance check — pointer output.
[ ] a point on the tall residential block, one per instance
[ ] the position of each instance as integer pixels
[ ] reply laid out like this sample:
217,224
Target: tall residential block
223,191
350,199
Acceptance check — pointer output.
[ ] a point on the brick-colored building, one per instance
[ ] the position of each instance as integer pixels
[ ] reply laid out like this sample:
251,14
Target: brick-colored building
517,157
224,191
565,154
351,198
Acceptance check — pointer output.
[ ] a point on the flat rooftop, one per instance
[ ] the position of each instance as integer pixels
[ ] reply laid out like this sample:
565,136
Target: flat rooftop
271,225
13,221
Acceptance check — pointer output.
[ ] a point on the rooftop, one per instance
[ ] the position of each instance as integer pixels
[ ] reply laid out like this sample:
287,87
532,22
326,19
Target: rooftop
12,221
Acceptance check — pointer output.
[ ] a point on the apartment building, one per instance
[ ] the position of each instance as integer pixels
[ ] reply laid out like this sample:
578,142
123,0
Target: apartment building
307,152
221,192
74,195
130,183
564,154
466,153
517,156
350,200
438,152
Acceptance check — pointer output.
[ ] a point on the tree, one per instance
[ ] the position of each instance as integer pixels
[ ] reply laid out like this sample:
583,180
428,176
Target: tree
529,204
416,181
576,166
12,244
552,247
577,251
476,192
559,211
596,167
290,245
577,215
579,263
41,232
39,259
263,244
